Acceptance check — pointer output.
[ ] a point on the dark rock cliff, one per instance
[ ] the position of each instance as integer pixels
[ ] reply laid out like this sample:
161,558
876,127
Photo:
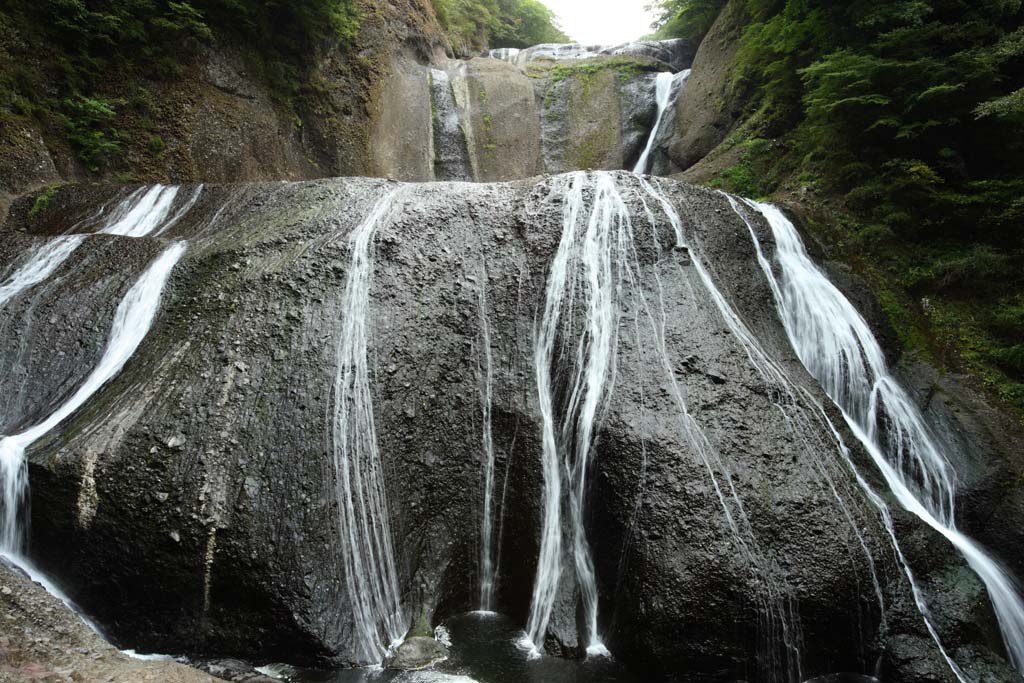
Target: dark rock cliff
189,506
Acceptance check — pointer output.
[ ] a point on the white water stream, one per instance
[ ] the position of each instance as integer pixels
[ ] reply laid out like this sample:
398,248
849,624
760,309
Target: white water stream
583,273
664,85
137,216
487,551
132,320
837,346
366,545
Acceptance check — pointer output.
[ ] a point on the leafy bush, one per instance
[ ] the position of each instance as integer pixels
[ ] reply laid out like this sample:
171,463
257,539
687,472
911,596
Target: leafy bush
474,25
88,123
910,113
690,19
156,145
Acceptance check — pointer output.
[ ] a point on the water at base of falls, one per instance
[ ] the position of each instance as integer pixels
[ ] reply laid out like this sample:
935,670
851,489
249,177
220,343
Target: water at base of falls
483,650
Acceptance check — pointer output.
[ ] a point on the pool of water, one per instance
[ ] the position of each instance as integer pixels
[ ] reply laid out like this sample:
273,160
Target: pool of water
483,650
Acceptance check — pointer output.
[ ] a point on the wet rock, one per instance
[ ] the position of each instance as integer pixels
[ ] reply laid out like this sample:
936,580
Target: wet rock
417,652
247,557
233,670
42,640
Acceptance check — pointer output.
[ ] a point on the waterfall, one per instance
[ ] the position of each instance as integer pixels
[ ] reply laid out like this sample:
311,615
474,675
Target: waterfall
505,54
142,212
182,211
781,620
595,267
40,265
132,320
664,84
367,550
451,157
137,216
487,563
582,273
838,348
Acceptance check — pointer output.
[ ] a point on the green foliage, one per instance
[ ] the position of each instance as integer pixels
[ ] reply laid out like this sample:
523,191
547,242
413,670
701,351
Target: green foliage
910,112
89,126
156,145
89,41
626,67
43,200
475,25
523,23
690,19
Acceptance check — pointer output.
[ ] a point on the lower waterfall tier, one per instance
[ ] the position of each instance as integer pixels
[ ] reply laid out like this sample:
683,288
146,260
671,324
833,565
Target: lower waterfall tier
191,505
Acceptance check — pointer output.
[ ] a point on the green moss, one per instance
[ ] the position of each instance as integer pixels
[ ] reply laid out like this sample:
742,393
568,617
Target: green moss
747,178
421,629
626,67
156,145
962,327
43,200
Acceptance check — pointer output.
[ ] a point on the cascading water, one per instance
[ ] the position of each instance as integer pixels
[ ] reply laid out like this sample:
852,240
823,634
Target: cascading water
180,213
134,317
487,562
451,158
367,550
838,348
665,83
40,265
137,216
777,606
505,54
582,270
595,271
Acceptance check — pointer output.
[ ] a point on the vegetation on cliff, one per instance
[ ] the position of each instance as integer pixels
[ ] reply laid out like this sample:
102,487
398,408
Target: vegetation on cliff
89,61
909,114
475,25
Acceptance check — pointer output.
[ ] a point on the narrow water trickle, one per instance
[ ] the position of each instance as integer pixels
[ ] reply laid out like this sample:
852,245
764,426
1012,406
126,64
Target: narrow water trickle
134,317
451,156
487,561
366,546
837,346
780,627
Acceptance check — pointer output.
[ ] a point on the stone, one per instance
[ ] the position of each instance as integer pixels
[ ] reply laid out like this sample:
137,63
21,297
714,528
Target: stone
417,652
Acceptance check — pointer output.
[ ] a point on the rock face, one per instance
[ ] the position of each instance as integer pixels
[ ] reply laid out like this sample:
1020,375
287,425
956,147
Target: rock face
539,114
708,110
220,120
45,641
727,529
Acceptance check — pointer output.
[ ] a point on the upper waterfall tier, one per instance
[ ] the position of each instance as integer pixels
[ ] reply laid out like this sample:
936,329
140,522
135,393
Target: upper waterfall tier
677,53
638,404
549,109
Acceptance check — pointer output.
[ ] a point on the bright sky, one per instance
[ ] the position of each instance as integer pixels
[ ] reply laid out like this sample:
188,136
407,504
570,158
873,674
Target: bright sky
603,21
